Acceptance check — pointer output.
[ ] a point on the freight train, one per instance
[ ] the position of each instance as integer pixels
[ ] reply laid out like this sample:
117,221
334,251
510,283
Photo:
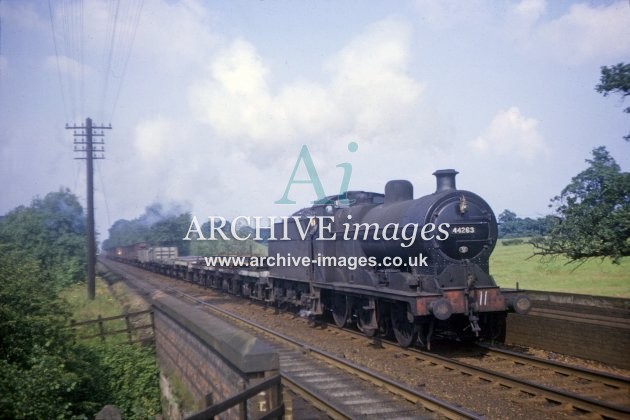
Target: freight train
388,263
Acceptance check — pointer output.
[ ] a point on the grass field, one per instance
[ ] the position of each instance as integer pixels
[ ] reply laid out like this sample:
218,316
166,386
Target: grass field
514,263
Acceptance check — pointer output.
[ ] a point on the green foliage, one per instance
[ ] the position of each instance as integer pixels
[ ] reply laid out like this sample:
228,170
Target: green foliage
28,306
170,231
510,242
132,375
511,226
43,372
129,372
615,79
126,232
157,227
594,213
52,230
52,386
506,216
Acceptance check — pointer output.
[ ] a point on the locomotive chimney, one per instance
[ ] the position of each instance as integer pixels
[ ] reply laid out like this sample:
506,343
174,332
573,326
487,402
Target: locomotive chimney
398,190
445,179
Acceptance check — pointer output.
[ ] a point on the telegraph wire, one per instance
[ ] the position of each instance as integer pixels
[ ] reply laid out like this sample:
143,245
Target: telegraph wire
82,57
123,34
67,54
1,66
108,66
52,25
100,177
72,26
106,53
130,41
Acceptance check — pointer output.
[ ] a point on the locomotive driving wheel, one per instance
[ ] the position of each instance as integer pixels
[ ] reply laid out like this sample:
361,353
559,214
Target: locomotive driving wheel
366,317
365,324
340,310
405,332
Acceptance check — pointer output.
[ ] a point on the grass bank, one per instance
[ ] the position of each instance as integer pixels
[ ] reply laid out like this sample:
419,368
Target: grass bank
514,263
104,304
129,372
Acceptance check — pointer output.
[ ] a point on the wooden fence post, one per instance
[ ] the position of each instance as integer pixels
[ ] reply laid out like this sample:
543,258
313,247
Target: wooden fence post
101,328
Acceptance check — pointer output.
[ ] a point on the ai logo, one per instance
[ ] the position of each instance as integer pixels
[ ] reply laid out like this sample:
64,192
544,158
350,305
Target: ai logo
313,178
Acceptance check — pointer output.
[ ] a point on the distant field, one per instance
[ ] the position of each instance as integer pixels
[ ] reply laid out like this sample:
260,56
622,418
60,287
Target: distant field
511,264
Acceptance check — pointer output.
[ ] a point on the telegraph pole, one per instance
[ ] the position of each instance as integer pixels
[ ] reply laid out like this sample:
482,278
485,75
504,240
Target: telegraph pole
84,144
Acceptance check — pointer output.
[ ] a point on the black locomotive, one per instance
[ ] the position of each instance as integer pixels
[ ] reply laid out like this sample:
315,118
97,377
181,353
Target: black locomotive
395,264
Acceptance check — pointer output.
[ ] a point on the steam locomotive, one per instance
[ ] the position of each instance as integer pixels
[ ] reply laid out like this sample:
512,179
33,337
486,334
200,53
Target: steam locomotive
389,263
413,287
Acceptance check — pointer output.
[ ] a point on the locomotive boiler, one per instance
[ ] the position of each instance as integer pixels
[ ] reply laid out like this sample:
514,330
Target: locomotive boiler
414,268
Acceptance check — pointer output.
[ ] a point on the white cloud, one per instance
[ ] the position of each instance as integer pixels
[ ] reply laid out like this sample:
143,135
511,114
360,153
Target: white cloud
368,92
584,33
531,10
235,98
176,35
170,161
24,15
69,67
512,134
152,138
448,14
371,80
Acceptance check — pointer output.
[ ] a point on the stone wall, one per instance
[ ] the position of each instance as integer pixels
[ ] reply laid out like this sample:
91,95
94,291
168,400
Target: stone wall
591,327
209,358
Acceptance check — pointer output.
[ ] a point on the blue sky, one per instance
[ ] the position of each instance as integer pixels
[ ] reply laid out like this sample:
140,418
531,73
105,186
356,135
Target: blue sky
216,98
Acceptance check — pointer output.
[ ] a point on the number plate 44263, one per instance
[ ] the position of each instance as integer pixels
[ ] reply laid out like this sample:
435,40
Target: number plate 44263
463,229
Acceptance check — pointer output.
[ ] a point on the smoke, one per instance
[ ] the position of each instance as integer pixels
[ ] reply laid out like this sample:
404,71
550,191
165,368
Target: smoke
158,212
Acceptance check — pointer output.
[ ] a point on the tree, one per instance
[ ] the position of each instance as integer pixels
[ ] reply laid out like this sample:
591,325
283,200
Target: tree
158,226
170,231
53,231
44,373
615,79
594,213
507,216
126,232
511,226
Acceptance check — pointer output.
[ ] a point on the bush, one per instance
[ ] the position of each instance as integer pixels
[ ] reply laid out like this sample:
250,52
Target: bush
132,375
515,241
52,230
44,373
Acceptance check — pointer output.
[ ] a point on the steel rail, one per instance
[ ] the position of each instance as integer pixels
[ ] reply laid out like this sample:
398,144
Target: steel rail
415,396
315,399
579,402
615,381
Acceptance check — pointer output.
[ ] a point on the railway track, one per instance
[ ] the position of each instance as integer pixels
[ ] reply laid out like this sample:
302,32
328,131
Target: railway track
561,393
582,390
337,387
563,390
584,318
614,387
